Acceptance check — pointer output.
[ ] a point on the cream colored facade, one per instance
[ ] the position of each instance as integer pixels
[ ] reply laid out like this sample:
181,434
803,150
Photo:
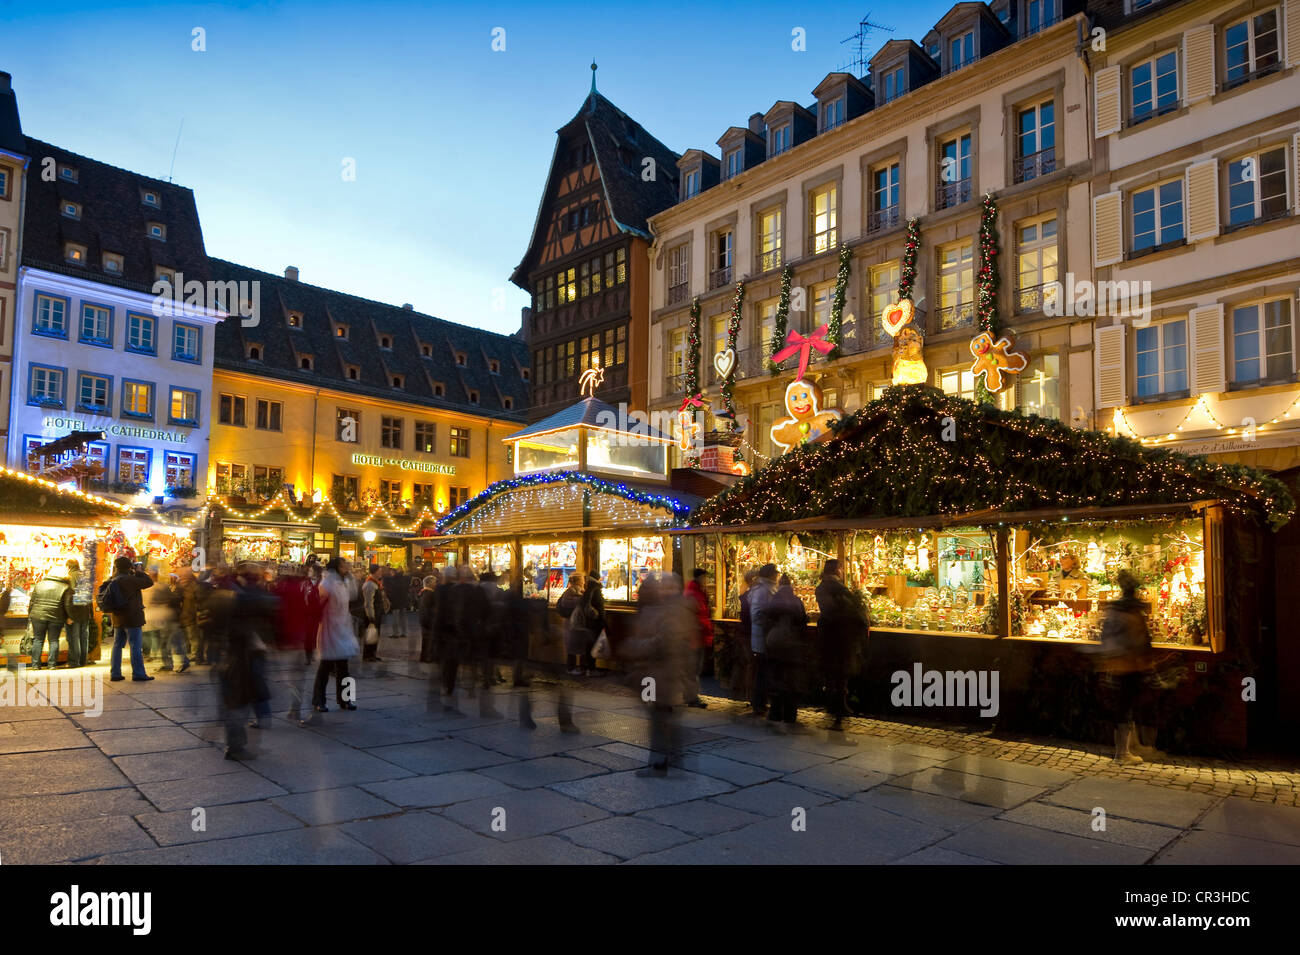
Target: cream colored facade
1036,193
1198,193
13,182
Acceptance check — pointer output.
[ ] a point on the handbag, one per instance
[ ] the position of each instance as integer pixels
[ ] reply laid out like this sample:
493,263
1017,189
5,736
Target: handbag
602,650
371,634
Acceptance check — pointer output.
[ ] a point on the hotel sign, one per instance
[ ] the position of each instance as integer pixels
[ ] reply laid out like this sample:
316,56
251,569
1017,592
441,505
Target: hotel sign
122,430
406,464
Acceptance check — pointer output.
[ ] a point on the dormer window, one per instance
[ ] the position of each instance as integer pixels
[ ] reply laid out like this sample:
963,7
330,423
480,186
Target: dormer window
508,403
150,198
254,353
832,114
438,389
733,163
473,397
961,50
354,373
386,342
71,210
156,230
113,263
461,358
305,363
691,184
426,351
494,367
397,381
295,319
1039,14
778,139
341,332
166,274
524,372
74,254
894,84
68,173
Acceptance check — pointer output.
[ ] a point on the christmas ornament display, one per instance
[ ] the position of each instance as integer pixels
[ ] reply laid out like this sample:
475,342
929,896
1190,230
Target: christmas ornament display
896,315
807,420
724,361
994,360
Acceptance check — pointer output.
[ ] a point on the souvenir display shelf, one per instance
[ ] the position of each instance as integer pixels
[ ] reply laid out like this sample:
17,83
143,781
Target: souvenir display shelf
547,568
625,562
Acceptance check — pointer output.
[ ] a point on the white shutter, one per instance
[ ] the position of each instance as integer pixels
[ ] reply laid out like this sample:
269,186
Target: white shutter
1106,101
1198,64
1291,31
1110,376
1295,153
1107,229
1202,187
1206,327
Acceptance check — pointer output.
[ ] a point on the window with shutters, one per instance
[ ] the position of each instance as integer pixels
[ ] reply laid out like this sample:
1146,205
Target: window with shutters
1257,187
956,284
679,275
722,246
1250,49
1153,86
1263,342
1157,217
1161,352
1036,263
676,359
1040,387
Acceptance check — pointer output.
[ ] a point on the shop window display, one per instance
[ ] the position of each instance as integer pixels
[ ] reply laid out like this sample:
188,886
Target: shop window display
626,562
801,556
493,557
547,568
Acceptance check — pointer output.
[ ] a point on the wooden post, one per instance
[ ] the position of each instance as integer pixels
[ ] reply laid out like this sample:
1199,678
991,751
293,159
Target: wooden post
1004,584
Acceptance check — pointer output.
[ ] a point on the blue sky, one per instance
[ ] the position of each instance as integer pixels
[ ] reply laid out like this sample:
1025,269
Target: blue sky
451,140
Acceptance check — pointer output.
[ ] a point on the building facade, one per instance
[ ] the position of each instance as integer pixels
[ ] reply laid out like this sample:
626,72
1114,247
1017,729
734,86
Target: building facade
1196,191
96,350
359,417
995,106
13,182
586,264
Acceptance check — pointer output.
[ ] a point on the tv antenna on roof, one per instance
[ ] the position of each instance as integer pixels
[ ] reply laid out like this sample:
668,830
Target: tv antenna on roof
860,61
172,168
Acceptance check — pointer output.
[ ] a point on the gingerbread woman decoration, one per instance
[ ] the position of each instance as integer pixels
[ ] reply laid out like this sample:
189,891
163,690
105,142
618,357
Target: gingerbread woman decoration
994,360
808,421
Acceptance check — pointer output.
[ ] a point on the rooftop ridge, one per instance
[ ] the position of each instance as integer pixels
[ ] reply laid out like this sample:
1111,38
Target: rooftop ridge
33,141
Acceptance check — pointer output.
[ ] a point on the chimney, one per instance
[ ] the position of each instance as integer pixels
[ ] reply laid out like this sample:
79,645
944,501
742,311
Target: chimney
408,306
291,273
756,124
5,79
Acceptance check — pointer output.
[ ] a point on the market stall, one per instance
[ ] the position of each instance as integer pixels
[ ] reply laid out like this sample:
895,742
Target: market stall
981,538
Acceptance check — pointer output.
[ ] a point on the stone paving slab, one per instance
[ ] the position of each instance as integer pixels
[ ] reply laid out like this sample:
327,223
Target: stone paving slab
90,806
1134,801
531,773
546,740
322,807
773,799
40,736
836,779
730,770
542,850
219,822
1243,817
1219,848
176,764
442,790
318,845
1011,843
439,756
626,836
1005,769
608,756
66,771
967,788
628,793
940,811
889,760
300,764
933,855
768,756
71,841
209,791
123,719
527,813
144,740
412,836
1077,822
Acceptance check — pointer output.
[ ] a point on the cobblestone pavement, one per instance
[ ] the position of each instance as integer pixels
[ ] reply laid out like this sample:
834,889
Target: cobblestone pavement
145,781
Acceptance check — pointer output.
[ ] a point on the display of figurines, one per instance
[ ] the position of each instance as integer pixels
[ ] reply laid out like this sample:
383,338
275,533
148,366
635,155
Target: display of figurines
909,556
923,554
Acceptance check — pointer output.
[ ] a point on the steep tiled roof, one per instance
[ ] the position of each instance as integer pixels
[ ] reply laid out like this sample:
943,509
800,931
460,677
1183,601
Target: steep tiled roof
632,201
283,348
11,130
114,218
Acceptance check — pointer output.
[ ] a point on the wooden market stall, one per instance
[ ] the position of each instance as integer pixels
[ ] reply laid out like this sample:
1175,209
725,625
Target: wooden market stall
985,540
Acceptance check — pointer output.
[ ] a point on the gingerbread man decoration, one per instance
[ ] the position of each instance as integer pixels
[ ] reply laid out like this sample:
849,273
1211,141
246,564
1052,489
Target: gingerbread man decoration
994,360
808,421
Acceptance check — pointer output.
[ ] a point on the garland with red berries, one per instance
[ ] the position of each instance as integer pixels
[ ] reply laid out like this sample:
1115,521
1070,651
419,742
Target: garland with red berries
733,330
907,277
834,331
782,319
986,284
693,355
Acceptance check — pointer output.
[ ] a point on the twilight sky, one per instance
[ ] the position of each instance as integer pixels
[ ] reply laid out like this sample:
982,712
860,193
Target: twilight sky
451,140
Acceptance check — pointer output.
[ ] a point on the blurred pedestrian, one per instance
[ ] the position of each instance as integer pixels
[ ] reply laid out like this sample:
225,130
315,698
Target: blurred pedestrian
120,596
760,596
82,611
447,639
252,611
656,655
787,651
427,612
577,637
375,601
48,612
485,639
171,635
338,640
397,589
842,629
187,636
1123,661
698,598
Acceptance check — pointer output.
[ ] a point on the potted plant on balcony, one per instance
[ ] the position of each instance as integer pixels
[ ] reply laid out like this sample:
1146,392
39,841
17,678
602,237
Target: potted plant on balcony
181,491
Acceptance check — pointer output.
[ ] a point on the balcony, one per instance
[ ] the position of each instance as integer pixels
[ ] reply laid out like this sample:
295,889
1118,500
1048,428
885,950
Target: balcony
1033,298
820,243
677,293
675,384
1024,168
720,277
879,221
949,194
1038,24
1241,78
955,316
768,261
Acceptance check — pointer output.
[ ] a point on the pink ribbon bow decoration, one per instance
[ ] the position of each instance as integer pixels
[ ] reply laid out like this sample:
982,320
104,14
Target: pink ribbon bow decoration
794,342
696,400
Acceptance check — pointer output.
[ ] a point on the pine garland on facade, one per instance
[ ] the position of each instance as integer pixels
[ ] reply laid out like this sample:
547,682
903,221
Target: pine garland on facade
782,318
986,284
693,355
834,332
733,331
907,277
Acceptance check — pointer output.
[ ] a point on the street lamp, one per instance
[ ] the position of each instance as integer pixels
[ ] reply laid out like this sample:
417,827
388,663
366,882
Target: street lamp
369,537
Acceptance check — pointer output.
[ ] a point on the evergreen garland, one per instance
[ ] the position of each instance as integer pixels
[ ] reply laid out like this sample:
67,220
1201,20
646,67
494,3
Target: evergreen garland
889,460
986,285
782,318
693,355
733,330
907,277
835,331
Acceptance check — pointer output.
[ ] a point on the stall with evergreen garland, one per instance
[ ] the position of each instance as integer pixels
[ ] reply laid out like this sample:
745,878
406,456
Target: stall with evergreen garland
985,539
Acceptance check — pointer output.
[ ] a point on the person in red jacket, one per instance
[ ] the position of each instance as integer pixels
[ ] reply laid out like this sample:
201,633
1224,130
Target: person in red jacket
698,598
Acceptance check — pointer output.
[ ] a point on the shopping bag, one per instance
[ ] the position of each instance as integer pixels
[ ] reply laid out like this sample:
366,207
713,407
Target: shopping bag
372,634
602,650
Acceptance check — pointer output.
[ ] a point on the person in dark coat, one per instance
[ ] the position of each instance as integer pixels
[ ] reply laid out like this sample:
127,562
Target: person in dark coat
50,609
787,651
82,614
841,629
252,615
427,611
127,584
742,679
1123,661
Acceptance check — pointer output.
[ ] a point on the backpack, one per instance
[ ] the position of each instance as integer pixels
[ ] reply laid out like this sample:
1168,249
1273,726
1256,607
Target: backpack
109,598
382,603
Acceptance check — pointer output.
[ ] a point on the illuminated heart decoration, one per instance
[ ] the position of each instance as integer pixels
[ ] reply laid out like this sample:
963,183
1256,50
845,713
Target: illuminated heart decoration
895,316
724,361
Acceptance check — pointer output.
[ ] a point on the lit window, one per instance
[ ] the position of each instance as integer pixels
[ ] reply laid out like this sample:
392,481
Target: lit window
821,227
1262,342
1036,261
137,399
769,240
882,284
179,470
133,466
1162,359
426,436
185,406
341,331
347,425
460,442
295,319
74,254
1040,387
956,284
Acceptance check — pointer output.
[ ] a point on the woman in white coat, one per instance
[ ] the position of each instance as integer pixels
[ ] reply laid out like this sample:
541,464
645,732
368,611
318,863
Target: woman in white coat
338,637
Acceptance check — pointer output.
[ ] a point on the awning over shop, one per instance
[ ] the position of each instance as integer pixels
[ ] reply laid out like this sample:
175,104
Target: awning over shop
27,498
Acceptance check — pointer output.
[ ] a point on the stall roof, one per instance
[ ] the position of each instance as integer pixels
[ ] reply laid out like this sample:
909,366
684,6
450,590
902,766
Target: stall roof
917,452
24,498
588,413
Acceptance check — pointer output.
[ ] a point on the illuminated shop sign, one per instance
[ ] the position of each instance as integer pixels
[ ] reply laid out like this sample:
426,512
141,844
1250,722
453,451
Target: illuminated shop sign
406,464
122,430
